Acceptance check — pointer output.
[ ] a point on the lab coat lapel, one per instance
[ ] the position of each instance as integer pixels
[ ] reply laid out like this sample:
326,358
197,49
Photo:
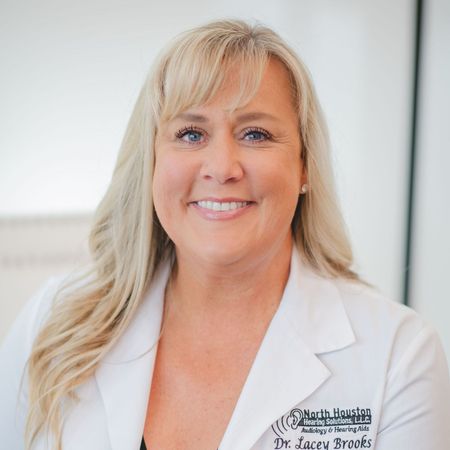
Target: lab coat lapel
124,376
310,320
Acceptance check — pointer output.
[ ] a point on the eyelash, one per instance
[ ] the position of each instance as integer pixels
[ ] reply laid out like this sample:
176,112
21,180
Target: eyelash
192,129
267,136
189,129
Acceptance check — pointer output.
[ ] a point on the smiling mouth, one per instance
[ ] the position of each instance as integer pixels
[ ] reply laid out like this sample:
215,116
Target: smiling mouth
221,206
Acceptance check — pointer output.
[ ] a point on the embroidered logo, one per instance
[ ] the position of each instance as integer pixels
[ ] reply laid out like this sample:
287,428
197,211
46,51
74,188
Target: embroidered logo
335,428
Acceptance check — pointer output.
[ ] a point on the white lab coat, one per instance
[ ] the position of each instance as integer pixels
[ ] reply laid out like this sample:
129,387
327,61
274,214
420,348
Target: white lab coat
340,367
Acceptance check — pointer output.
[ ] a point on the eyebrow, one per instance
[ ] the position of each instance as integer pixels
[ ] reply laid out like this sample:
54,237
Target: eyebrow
192,117
244,117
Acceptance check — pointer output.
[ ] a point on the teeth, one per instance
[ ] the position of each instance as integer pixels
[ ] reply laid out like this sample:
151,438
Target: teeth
221,206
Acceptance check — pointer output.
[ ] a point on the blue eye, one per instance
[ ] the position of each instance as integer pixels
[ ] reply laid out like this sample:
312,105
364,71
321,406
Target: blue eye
193,136
257,135
189,135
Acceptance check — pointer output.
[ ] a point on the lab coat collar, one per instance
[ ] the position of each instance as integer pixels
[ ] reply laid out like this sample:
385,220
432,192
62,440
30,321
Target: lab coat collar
310,320
314,307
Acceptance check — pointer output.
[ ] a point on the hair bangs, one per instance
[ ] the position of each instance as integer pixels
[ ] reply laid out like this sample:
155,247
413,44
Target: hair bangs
196,73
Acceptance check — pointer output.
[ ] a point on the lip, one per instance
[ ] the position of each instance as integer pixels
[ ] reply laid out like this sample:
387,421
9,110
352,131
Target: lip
210,214
222,199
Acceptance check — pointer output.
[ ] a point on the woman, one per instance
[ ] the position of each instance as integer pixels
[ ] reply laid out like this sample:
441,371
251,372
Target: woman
221,310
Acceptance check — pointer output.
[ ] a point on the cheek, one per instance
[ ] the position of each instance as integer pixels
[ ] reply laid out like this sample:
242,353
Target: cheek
280,179
171,184
280,186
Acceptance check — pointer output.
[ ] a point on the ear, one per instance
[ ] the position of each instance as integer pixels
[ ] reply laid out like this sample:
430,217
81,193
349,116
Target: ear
304,177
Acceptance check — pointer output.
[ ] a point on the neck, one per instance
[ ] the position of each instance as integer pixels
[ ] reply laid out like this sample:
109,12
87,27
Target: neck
200,292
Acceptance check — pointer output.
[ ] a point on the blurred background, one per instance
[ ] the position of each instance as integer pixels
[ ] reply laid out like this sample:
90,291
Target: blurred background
71,71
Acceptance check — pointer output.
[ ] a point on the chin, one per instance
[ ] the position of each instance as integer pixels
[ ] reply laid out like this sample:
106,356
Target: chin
223,256
221,252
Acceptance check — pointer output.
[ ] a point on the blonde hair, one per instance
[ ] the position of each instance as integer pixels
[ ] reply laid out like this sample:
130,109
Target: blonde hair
127,242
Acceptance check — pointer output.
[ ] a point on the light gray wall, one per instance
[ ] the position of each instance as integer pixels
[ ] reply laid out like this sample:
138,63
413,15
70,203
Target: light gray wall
431,251
33,249
73,71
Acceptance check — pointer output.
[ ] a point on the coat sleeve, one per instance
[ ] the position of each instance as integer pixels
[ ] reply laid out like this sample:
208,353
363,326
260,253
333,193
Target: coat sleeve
14,353
416,411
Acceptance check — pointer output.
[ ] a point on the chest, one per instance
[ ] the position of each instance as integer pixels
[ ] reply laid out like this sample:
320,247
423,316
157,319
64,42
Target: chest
193,394
276,408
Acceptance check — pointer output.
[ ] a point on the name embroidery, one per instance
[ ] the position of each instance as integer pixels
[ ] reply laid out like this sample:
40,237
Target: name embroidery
319,423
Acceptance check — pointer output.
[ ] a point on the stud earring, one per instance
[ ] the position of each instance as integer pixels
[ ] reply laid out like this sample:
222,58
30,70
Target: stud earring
304,188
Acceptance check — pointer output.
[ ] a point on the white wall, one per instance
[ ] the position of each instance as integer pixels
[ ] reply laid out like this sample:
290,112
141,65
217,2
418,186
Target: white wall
73,70
431,251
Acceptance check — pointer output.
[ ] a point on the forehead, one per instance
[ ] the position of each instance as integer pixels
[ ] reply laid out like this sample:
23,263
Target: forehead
271,96
274,84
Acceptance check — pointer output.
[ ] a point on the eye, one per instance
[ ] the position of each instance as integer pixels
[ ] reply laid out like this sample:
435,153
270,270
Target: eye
257,135
190,135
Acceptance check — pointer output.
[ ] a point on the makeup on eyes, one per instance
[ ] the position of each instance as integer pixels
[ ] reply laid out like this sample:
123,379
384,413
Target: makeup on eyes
197,133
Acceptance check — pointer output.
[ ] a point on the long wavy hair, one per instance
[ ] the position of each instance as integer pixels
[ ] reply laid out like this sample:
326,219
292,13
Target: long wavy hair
127,242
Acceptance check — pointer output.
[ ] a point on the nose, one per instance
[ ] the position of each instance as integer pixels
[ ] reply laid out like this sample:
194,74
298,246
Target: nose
222,161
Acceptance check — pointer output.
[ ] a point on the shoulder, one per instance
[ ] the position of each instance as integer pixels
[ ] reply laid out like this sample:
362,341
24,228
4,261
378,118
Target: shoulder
390,331
402,354
36,310
335,313
14,353
370,311
18,342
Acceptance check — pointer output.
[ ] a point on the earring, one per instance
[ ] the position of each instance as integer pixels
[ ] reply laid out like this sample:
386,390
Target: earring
304,188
